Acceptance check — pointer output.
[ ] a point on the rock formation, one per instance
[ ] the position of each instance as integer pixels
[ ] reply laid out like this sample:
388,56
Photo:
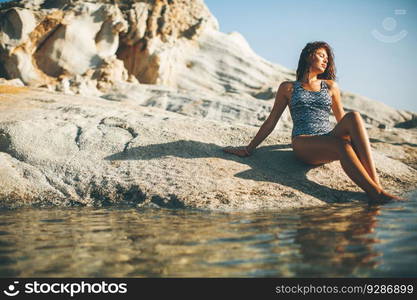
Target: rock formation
89,47
67,150
131,102
47,42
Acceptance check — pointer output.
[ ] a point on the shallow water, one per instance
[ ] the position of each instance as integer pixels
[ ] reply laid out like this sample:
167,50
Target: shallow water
349,240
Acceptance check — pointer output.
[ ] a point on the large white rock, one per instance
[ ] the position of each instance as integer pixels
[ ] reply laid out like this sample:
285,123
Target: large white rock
149,93
90,47
65,150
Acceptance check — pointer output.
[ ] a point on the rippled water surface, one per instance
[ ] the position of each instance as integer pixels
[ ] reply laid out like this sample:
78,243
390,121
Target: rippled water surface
341,240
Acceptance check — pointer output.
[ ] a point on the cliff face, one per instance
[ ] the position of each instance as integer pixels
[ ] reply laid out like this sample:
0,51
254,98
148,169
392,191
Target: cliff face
48,42
88,46
91,47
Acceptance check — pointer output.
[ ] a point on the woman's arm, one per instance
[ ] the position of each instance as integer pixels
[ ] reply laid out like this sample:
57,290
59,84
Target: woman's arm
281,102
337,105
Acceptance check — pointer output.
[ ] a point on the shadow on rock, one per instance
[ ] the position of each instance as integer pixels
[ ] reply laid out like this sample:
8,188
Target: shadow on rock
275,164
278,164
396,144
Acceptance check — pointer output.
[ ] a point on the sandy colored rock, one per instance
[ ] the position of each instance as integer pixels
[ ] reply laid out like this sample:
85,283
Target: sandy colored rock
72,150
131,102
91,47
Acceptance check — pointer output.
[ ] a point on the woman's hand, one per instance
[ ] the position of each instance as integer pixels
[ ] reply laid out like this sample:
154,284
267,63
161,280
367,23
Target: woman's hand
239,151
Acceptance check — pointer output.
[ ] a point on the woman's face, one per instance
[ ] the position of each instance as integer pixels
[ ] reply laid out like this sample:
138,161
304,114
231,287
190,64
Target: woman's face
320,60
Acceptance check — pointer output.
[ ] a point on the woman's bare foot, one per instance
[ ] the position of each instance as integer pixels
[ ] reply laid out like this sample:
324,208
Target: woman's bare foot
385,197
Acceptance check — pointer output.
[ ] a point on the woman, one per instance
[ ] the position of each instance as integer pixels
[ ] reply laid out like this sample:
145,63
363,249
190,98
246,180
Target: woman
310,99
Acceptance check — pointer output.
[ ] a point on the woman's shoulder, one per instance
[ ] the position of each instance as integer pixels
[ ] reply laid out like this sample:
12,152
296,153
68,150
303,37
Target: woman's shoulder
287,87
333,87
331,84
287,83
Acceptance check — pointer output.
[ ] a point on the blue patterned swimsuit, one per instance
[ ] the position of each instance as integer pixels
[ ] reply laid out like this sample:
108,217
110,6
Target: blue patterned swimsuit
310,110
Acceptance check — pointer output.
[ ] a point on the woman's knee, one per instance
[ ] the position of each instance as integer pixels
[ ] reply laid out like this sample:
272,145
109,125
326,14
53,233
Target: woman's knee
349,123
353,116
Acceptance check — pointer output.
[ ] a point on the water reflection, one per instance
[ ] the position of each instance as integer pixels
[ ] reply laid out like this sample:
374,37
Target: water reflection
339,240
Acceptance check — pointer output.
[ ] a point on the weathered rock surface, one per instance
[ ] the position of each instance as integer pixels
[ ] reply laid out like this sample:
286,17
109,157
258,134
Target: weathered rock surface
137,100
66,150
47,42
92,47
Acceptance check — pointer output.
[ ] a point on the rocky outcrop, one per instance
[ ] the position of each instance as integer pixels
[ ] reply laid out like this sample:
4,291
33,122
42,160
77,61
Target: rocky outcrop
93,47
159,91
51,46
65,150
45,42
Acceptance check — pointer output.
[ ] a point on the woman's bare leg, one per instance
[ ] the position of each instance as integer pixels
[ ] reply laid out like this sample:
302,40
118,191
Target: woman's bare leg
352,126
322,149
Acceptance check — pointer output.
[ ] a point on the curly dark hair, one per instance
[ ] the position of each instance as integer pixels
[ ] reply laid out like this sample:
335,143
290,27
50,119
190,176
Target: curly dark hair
306,56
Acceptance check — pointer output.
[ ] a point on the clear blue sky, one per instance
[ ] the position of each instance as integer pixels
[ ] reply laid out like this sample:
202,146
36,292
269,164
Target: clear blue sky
278,30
